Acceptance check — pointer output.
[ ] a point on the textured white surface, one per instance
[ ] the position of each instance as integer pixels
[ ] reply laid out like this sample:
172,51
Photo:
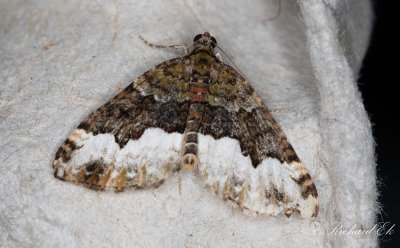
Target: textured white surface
60,60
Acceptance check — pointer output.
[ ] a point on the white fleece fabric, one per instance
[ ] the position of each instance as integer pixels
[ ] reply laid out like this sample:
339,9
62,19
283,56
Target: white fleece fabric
60,60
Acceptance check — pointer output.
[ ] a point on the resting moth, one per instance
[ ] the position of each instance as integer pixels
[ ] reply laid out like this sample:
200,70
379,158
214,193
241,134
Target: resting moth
191,113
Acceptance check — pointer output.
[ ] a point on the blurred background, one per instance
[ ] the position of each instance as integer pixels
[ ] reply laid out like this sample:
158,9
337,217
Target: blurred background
379,88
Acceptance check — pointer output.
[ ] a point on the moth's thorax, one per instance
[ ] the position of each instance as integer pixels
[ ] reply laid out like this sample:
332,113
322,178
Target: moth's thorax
206,49
202,63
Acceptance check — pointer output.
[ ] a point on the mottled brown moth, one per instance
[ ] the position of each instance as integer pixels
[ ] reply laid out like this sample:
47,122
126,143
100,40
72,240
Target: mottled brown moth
191,113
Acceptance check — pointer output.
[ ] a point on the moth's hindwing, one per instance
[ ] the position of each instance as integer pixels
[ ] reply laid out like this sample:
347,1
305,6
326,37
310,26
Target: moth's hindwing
134,139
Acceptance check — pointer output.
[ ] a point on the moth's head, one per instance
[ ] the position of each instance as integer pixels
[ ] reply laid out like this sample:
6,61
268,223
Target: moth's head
204,41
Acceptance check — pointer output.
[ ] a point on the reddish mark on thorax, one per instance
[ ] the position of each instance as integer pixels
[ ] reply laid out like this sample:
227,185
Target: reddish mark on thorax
198,93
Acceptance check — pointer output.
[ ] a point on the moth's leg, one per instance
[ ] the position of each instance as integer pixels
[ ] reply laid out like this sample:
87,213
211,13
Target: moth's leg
275,111
173,47
219,57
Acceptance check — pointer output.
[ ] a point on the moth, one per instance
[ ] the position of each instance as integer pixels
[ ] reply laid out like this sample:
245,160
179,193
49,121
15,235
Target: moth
191,113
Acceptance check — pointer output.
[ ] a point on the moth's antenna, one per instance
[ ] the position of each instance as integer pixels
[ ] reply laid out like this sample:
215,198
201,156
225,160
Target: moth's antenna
230,60
277,13
173,47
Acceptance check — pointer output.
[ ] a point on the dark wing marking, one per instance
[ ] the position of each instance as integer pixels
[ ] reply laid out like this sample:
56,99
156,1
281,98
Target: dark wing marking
98,154
235,110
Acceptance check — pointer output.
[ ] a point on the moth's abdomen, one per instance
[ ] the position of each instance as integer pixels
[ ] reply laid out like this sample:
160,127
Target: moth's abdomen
198,91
